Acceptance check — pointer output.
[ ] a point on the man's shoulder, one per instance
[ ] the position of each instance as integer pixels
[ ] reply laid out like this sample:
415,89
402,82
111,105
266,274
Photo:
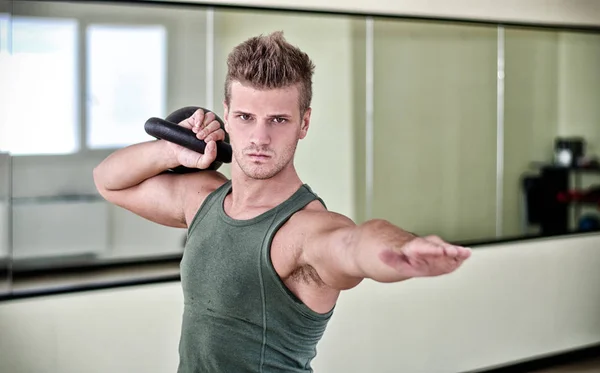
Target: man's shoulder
203,181
315,218
197,186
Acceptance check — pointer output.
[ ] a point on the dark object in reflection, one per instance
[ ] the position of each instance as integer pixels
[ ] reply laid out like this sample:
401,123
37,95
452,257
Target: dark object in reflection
549,196
589,195
568,151
589,223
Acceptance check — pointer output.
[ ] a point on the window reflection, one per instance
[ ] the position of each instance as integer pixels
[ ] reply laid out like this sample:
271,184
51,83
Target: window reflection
126,63
42,75
4,77
126,82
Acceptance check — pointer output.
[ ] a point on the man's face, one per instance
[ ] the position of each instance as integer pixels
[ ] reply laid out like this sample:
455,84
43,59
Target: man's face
264,127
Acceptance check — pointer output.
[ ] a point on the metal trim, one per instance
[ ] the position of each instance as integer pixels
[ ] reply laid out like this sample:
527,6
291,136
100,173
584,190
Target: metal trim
210,58
500,132
369,121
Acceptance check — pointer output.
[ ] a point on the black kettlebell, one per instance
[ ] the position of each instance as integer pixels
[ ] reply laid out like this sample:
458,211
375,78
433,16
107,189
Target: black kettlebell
169,129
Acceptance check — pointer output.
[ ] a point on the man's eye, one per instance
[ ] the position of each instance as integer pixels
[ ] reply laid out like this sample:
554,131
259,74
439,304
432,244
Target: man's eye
244,117
280,120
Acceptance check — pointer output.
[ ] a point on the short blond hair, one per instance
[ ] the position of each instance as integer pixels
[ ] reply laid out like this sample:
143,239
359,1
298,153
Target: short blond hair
268,62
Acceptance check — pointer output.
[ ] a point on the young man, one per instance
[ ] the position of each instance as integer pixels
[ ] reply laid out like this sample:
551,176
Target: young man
265,260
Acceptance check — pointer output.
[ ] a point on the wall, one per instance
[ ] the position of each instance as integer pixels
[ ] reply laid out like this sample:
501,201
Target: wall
557,12
510,302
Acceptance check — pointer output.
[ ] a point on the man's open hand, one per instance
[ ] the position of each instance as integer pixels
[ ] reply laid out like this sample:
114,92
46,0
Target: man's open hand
426,256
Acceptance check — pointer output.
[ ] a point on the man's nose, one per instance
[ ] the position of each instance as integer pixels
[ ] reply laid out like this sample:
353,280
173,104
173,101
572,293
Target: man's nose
261,134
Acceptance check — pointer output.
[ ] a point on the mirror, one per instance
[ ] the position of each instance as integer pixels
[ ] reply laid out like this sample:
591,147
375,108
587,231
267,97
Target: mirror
97,93
551,171
434,128
474,132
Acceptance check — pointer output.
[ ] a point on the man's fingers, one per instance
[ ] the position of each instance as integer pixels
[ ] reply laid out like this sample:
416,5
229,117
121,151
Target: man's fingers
209,118
218,135
450,250
422,247
202,121
210,154
197,119
209,130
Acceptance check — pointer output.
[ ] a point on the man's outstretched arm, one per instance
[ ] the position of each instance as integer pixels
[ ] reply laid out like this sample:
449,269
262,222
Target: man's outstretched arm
344,253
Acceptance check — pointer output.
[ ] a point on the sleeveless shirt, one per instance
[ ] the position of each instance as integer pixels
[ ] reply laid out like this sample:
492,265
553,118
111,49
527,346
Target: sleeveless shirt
239,317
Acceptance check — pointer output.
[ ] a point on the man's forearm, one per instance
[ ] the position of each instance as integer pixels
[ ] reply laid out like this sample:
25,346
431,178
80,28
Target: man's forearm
131,165
375,247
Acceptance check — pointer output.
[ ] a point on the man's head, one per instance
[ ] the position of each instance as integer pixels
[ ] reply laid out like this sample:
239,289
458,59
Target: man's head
268,92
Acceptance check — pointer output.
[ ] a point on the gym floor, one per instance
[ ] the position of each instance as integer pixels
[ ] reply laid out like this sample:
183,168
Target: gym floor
588,366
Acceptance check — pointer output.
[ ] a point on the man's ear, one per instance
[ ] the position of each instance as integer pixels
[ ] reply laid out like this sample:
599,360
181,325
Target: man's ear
305,123
226,116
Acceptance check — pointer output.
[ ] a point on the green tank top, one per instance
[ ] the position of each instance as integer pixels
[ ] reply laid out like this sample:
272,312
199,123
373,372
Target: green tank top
239,317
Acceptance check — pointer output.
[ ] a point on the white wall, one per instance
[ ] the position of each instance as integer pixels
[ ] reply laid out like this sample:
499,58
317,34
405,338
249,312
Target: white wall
508,303
511,302
560,12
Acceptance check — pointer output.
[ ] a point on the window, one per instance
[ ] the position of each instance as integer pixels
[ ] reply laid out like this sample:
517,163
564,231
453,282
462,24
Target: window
42,112
4,25
126,82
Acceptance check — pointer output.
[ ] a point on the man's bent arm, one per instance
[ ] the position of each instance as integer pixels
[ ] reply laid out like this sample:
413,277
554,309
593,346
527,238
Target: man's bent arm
133,164
133,178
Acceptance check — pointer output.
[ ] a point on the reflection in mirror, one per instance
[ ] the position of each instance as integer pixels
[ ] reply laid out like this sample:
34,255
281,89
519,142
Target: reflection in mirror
5,76
124,84
552,143
434,128
44,49
101,70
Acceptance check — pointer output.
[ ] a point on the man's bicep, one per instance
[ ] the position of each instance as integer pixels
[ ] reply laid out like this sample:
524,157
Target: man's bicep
158,199
331,251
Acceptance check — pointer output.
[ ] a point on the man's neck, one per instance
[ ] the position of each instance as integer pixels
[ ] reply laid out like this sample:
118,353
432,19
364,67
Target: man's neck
248,193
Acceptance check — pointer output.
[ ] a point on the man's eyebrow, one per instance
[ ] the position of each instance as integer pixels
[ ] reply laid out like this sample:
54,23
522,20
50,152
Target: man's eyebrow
279,115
